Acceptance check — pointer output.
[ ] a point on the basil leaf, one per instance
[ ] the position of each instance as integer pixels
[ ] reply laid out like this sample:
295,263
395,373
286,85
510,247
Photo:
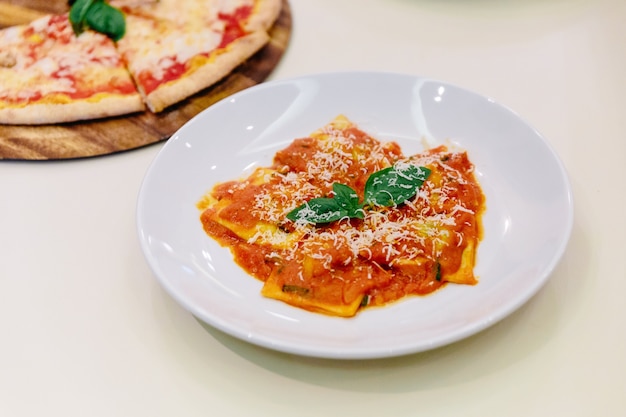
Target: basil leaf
394,185
345,194
77,15
106,19
388,187
344,203
317,210
348,200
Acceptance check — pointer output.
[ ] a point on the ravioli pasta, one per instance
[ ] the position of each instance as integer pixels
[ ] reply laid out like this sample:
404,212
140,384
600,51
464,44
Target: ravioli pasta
338,268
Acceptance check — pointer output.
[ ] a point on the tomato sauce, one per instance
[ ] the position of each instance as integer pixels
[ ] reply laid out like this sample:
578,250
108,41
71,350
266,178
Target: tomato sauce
89,77
173,72
417,247
233,30
233,24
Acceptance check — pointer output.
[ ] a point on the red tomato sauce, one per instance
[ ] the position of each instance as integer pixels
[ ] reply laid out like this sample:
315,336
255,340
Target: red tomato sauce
324,267
233,22
233,30
149,83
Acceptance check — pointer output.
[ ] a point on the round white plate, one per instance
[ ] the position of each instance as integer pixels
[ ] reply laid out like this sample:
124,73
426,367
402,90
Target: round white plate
526,227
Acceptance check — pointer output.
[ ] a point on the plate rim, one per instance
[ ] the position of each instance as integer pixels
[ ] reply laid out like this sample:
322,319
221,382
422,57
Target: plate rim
295,348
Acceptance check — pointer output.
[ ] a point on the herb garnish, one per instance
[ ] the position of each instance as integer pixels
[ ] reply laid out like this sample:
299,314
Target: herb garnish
295,289
438,271
388,187
99,16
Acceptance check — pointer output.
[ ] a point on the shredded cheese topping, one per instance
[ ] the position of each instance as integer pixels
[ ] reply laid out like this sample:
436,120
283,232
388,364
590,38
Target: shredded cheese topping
337,267
403,235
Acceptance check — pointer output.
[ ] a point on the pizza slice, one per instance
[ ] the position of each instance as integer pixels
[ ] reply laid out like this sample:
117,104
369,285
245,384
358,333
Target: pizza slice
175,49
50,75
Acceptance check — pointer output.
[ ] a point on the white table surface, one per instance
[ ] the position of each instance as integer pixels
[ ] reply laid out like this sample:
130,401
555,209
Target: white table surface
86,330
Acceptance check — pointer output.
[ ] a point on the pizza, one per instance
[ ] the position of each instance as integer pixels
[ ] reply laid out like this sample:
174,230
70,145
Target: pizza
174,48
341,221
169,51
49,75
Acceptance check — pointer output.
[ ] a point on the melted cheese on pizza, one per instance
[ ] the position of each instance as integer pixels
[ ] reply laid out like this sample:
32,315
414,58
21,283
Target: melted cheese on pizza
170,50
167,39
45,61
161,54
337,268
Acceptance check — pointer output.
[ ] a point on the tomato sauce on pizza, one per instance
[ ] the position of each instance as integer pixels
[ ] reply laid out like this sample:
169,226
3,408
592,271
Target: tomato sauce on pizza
170,51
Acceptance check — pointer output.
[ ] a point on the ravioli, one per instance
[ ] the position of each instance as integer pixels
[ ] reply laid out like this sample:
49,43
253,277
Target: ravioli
339,268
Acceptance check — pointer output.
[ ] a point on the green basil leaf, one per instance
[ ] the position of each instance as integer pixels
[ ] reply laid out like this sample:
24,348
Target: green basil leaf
77,15
345,193
106,19
348,200
394,185
318,210
344,203
387,187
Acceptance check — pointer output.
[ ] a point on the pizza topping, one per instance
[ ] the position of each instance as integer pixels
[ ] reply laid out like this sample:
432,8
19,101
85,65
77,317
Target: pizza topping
7,59
232,23
99,16
140,52
55,62
156,65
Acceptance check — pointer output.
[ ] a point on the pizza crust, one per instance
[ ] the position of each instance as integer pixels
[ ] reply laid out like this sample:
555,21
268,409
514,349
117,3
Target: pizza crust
224,63
265,14
49,113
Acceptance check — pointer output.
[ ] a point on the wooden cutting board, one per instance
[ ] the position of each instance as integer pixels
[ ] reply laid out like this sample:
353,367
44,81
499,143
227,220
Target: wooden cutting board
118,134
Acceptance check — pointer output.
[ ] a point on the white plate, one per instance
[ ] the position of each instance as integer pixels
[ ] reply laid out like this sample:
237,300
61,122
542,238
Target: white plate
527,224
